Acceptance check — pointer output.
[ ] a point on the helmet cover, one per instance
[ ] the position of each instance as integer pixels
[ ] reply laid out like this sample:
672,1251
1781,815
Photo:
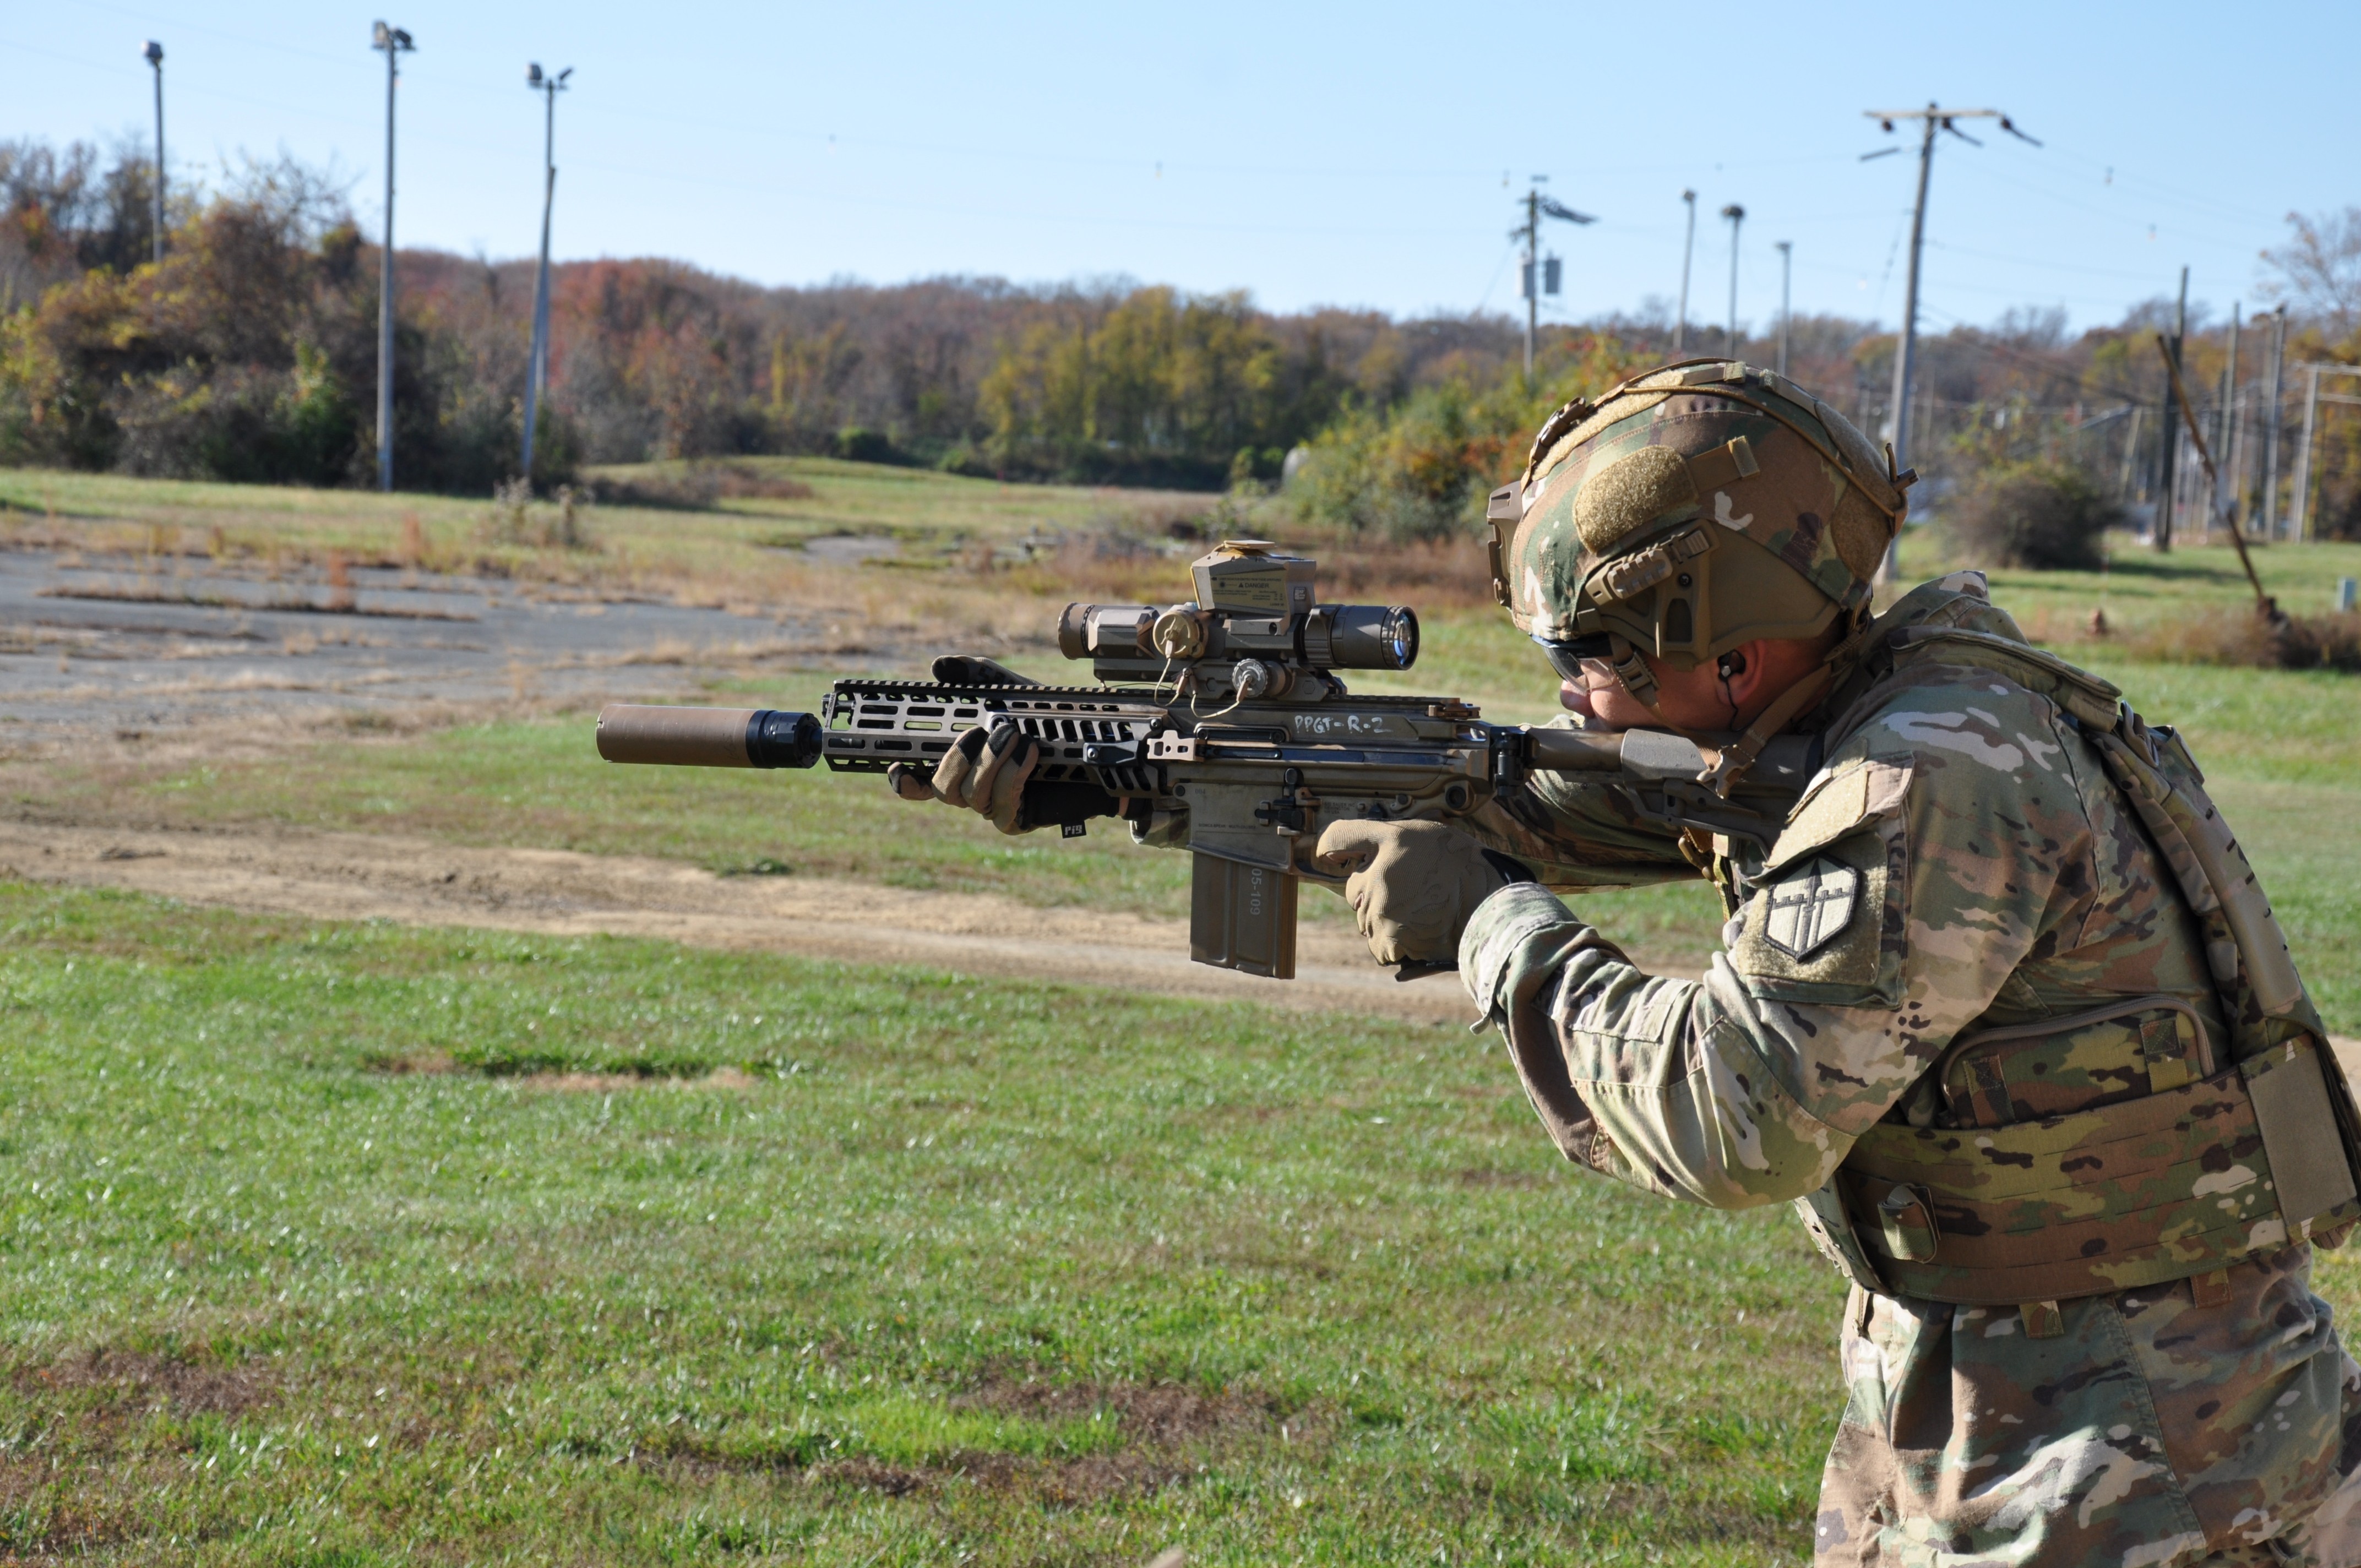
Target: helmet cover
1693,509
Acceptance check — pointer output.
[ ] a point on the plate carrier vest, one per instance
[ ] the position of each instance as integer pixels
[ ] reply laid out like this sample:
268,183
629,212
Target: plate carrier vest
2007,1177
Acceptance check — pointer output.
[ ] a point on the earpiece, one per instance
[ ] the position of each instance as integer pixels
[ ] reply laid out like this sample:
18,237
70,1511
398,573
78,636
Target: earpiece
1731,665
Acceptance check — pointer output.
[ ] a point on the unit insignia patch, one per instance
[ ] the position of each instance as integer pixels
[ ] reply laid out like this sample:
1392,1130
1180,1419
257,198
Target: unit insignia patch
1810,907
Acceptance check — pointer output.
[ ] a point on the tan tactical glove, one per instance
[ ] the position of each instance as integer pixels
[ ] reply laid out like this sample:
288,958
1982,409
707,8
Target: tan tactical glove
1413,885
983,770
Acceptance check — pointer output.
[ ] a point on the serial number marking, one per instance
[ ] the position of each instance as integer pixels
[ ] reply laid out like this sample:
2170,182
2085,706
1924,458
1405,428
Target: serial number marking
1345,724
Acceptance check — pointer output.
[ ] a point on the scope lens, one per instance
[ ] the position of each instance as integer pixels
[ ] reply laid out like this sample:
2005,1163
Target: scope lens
1372,637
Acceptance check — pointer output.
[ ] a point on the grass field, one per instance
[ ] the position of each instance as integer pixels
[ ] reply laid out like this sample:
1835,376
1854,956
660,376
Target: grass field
681,1257
337,1245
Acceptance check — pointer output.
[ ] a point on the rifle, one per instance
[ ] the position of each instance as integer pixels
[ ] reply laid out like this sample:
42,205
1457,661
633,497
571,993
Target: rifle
1222,724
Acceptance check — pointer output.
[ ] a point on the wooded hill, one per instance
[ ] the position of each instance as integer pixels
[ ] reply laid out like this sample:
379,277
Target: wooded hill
250,353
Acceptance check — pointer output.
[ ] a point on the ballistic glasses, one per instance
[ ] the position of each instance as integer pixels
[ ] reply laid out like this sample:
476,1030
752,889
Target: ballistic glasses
1565,657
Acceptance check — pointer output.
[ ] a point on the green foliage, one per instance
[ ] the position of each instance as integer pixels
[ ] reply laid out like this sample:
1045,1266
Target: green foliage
1157,387
857,444
2038,515
249,354
1421,469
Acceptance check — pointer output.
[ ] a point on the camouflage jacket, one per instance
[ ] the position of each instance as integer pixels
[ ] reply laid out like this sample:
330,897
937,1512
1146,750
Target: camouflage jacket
1962,859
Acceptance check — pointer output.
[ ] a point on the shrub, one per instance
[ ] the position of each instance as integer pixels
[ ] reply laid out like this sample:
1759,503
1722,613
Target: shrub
1422,469
2320,643
859,444
963,458
2042,516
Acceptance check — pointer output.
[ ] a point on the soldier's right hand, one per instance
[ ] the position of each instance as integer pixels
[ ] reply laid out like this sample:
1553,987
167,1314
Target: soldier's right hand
1412,885
984,771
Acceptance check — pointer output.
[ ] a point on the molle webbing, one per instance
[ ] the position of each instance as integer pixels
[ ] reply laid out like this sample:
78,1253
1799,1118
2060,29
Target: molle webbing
1723,466
2134,1193
2176,1183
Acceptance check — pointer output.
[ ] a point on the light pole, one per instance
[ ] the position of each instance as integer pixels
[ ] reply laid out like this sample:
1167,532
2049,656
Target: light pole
1786,272
536,369
1736,216
154,55
1688,250
396,43
1931,119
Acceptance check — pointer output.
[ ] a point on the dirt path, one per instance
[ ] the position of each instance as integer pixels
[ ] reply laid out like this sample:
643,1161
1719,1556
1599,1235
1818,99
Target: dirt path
423,882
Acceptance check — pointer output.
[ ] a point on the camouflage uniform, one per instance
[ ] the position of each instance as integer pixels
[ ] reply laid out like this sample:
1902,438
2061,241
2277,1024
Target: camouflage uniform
1962,859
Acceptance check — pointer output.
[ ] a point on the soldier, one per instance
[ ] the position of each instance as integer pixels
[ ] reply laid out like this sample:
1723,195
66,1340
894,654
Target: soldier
2001,1011
2000,1007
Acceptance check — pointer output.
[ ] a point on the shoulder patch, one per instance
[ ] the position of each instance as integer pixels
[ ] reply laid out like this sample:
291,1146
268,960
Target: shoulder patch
1820,924
1810,907
1854,794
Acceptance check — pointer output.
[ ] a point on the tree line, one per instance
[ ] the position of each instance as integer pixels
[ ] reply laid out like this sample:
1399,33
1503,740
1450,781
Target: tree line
250,353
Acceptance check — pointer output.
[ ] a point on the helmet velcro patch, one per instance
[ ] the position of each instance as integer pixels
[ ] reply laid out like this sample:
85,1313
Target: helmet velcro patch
1863,533
1631,493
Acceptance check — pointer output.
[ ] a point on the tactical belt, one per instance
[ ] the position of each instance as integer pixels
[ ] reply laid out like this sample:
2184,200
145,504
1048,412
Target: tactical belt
2171,1184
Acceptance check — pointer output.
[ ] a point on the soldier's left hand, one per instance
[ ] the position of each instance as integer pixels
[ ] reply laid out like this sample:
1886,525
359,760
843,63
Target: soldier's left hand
984,771
1412,885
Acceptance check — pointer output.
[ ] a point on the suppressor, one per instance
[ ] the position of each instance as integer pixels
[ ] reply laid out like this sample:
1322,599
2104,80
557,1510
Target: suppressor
709,737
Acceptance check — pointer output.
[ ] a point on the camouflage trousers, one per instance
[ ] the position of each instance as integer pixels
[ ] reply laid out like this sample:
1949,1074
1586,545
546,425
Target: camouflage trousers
2153,1432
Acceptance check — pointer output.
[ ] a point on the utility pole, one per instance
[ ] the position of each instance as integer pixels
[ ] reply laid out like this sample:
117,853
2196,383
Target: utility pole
1532,264
1537,208
1931,119
154,55
2169,452
2124,485
2271,423
2299,503
1736,216
1688,250
2227,501
1787,269
395,42
2299,525
536,368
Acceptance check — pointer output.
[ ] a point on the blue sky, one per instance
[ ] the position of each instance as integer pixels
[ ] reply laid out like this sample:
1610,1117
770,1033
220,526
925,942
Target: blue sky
1313,155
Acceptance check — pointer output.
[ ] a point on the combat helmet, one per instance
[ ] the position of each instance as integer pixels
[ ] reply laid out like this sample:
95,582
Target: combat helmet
1689,510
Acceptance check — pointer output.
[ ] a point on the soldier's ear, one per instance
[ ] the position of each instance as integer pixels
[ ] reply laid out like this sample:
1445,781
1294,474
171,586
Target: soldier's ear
1749,667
